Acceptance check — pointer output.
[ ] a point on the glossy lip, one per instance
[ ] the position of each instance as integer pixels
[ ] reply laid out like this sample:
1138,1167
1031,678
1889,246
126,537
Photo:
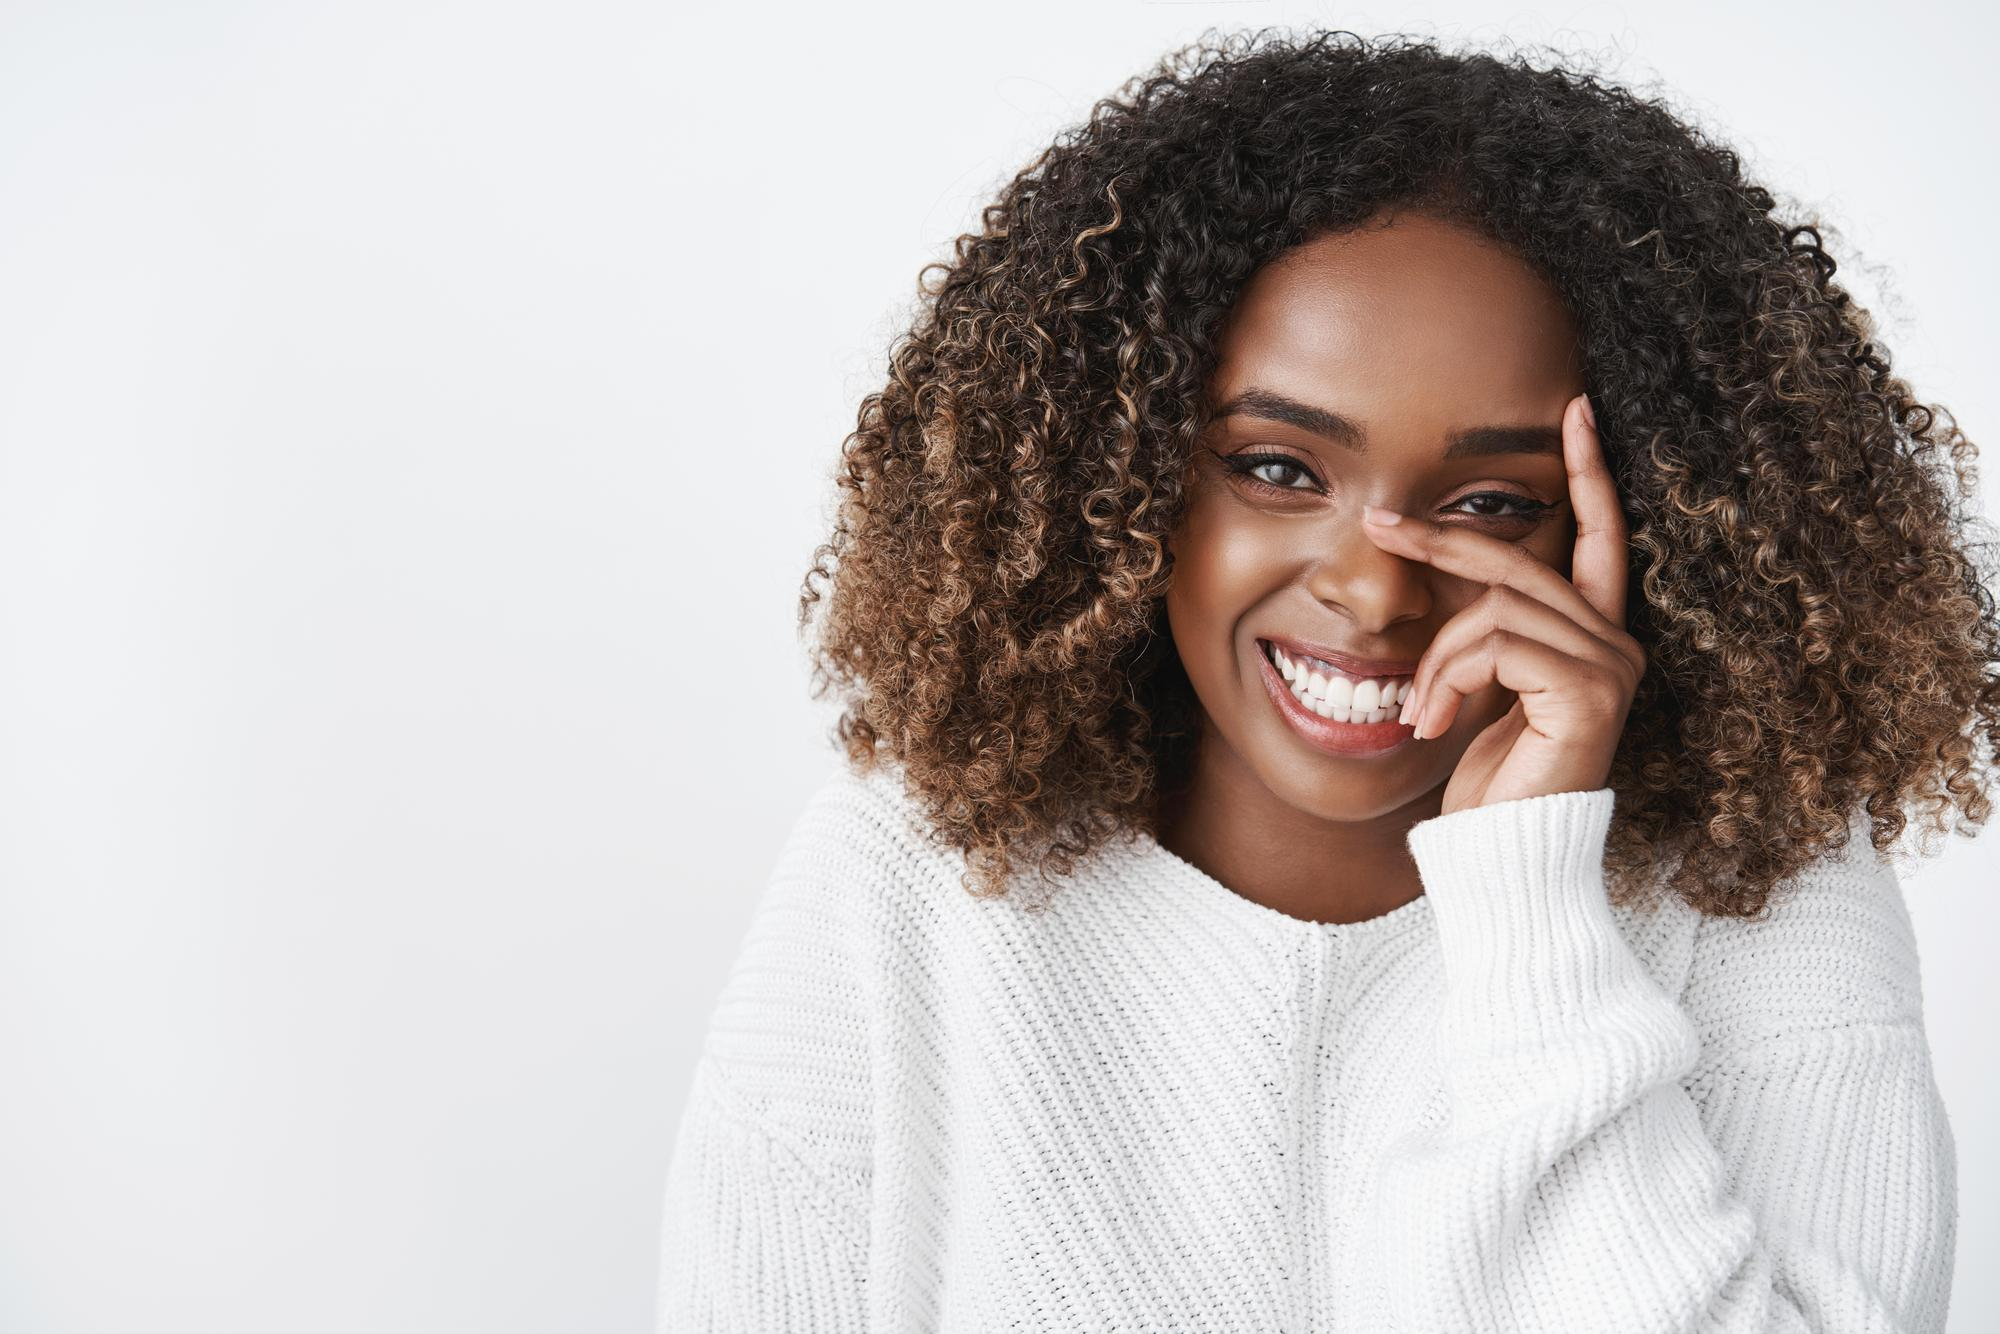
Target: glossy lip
1350,739
1347,662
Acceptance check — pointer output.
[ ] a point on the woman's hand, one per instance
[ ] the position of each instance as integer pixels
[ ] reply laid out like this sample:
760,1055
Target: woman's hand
1559,644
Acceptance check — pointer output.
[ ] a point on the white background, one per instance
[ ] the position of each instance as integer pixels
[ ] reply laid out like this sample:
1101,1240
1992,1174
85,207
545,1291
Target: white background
415,421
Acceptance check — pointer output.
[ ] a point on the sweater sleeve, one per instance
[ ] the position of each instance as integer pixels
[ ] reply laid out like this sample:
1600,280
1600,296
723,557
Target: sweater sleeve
765,1223
1771,1156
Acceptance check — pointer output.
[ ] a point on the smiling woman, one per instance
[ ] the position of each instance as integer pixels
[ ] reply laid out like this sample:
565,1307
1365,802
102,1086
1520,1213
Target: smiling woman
1449,588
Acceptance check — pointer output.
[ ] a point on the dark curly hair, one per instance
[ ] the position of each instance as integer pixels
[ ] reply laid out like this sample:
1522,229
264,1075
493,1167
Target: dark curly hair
1819,633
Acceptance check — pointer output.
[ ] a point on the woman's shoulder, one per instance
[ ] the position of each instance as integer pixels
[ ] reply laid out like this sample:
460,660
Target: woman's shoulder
853,864
1834,948
788,1039
859,836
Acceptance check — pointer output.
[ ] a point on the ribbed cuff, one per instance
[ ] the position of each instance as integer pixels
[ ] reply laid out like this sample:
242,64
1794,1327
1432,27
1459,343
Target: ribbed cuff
1524,924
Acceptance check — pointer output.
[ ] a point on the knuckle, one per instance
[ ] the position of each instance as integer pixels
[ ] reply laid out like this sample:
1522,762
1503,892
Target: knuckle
1608,693
1524,561
1499,604
1634,655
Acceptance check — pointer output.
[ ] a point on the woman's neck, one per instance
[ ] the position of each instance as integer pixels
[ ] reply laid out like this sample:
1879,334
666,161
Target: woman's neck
1225,822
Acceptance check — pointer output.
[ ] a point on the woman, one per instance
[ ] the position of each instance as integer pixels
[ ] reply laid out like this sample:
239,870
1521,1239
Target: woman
1452,595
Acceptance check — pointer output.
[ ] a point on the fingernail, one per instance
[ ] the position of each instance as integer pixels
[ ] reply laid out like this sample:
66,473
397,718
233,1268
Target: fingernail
1404,716
1376,514
1589,413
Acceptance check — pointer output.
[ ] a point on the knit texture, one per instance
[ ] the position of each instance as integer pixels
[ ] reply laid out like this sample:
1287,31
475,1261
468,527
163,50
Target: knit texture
1507,1105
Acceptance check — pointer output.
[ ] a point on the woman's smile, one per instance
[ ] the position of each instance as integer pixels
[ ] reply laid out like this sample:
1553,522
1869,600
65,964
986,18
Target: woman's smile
1331,710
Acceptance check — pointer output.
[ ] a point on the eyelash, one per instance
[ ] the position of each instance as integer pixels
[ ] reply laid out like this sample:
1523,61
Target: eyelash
1243,464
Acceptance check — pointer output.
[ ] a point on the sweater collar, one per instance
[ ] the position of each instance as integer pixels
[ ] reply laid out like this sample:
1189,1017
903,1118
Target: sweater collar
1195,886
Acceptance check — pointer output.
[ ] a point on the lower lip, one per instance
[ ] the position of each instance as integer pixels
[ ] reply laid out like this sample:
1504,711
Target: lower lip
1326,734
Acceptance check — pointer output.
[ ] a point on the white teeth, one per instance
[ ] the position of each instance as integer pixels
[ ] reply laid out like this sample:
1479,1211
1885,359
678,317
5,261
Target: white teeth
1339,692
1344,699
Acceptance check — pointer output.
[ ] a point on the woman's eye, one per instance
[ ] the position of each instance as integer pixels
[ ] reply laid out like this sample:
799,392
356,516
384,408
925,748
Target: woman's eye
1523,507
1272,472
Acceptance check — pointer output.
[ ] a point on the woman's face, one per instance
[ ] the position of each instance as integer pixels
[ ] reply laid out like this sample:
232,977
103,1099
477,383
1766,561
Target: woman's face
1417,367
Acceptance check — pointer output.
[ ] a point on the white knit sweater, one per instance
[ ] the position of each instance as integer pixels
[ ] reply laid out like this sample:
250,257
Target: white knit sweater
1505,1105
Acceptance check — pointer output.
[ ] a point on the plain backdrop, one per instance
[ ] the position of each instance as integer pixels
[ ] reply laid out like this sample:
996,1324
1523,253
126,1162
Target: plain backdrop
415,422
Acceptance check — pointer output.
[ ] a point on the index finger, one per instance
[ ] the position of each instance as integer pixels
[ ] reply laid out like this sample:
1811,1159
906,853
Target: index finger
1598,566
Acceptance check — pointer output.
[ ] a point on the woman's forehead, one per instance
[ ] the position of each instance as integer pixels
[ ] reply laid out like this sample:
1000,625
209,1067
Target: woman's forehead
1367,322
1420,296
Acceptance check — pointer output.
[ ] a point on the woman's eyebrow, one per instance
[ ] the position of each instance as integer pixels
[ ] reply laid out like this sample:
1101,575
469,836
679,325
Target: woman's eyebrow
1471,442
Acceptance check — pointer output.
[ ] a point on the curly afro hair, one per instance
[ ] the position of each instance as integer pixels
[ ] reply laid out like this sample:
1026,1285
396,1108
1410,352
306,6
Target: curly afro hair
1819,633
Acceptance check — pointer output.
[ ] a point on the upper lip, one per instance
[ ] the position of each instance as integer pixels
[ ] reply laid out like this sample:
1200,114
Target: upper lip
1345,661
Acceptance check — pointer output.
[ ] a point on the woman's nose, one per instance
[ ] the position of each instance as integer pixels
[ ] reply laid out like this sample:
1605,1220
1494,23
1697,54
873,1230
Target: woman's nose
1371,586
